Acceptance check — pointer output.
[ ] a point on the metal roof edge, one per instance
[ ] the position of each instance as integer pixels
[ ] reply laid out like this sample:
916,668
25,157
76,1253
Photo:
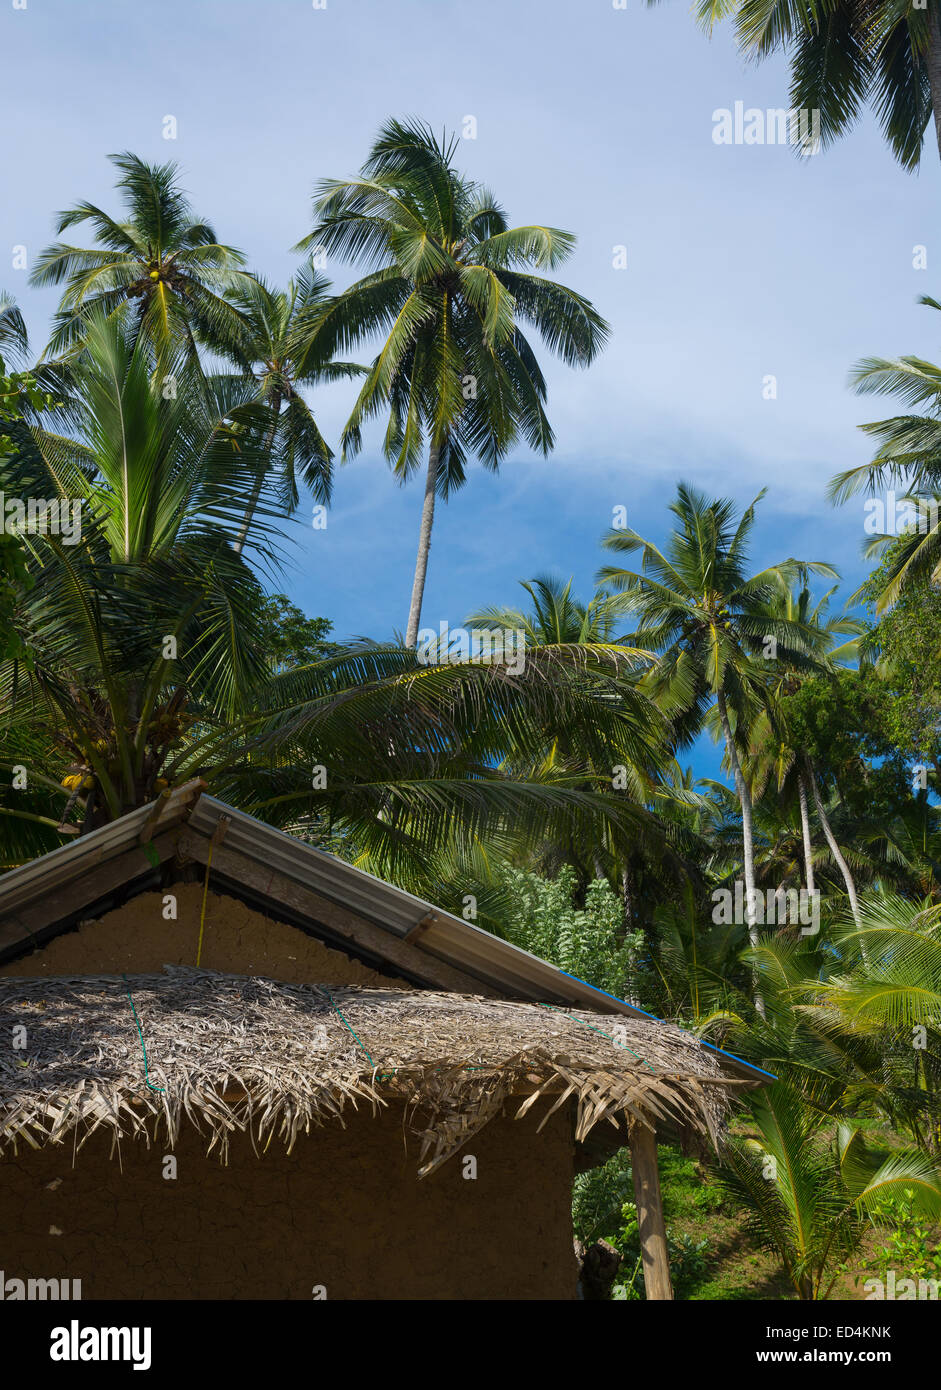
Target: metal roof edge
536,971
65,862
450,938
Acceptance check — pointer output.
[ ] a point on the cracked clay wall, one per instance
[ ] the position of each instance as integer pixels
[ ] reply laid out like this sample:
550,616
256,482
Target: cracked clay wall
136,939
345,1210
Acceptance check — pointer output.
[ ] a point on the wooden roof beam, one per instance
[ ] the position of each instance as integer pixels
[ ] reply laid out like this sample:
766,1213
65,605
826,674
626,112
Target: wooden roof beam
100,880
277,887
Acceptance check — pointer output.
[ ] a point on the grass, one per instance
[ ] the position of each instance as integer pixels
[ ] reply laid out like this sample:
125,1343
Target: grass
735,1268
732,1266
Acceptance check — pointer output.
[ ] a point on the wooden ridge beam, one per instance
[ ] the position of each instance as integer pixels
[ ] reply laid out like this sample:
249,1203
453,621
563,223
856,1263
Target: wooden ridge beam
168,806
421,927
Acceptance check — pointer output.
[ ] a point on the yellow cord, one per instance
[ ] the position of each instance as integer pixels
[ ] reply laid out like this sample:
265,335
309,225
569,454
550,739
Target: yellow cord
202,915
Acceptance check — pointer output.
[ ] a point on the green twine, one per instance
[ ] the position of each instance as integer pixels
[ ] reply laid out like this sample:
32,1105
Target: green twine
346,1024
388,1075
140,1034
385,1076
609,1036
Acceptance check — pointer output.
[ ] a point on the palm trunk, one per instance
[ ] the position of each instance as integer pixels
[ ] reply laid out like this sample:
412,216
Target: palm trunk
627,898
748,836
835,848
805,833
933,69
424,545
259,481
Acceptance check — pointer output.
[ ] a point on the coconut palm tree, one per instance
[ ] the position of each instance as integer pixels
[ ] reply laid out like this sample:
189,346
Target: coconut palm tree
139,596
14,340
159,257
146,658
694,965
13,389
46,378
710,621
557,616
905,849
807,1196
908,458
772,749
279,349
883,986
452,286
845,57
558,619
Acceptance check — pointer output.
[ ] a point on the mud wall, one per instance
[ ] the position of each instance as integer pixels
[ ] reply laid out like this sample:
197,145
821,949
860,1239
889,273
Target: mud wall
345,1210
136,939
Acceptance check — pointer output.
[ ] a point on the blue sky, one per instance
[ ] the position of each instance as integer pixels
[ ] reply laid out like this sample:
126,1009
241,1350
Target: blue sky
742,261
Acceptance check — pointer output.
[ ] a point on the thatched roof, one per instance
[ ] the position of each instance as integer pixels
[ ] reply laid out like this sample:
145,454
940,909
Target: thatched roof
298,884
227,1053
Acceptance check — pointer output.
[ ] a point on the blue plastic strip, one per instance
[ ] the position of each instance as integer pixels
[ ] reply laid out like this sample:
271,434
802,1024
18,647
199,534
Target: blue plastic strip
653,1017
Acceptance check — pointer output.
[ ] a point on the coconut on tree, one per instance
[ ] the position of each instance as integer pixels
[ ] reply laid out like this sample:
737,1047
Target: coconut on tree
145,654
159,258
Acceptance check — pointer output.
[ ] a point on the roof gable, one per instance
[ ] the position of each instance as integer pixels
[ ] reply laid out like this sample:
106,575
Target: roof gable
348,907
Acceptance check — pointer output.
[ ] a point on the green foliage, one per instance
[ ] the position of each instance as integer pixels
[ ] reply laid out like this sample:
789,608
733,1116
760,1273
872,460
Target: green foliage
842,59
289,638
845,722
603,1209
688,1259
907,637
692,967
453,287
278,348
418,758
18,390
907,461
557,615
911,1246
808,1192
687,1256
695,604
159,258
589,942
598,1198
436,774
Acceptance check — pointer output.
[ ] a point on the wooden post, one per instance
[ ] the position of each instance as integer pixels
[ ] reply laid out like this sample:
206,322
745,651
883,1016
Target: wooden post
653,1233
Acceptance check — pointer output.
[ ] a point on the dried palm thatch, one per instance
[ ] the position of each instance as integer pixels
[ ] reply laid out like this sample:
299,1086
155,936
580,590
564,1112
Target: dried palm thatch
230,1053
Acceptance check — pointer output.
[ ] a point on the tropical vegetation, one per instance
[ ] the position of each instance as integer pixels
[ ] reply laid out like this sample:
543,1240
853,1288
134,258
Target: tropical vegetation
151,460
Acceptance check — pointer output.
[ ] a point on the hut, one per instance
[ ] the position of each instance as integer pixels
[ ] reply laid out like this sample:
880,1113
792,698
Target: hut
233,1066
